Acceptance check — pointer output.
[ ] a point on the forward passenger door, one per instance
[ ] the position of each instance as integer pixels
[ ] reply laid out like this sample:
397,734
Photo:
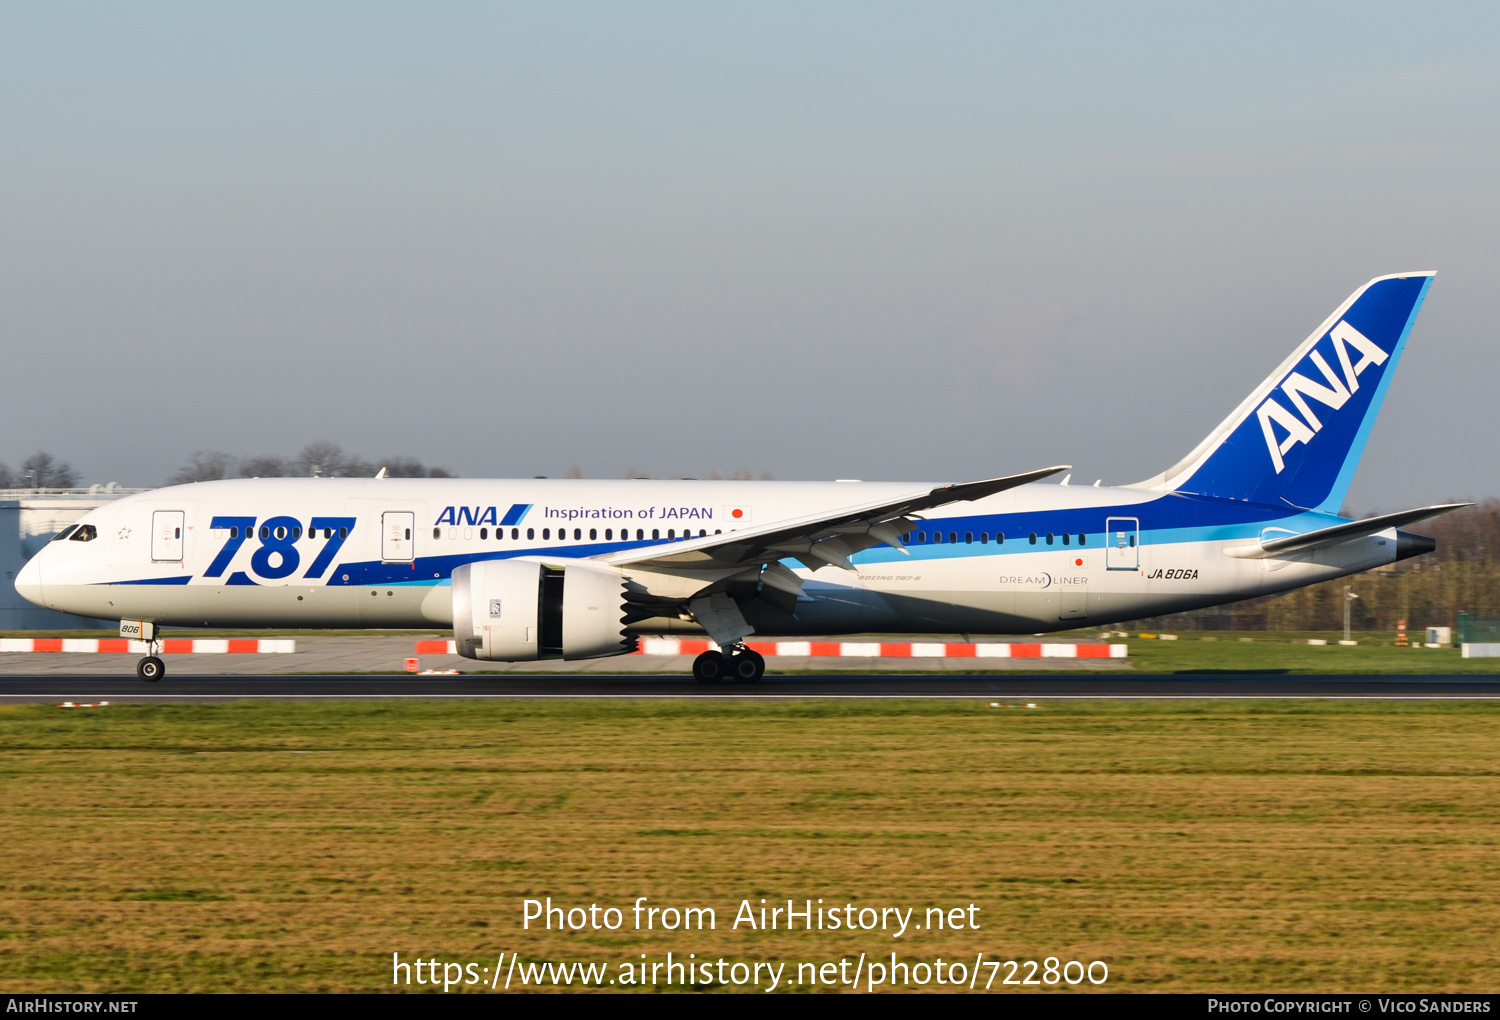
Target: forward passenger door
397,530
167,527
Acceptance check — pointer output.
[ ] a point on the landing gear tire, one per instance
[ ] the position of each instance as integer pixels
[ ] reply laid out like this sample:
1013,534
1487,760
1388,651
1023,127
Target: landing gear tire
150,669
710,668
747,667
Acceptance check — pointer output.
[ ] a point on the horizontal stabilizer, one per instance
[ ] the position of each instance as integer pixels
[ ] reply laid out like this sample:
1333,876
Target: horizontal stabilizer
1341,532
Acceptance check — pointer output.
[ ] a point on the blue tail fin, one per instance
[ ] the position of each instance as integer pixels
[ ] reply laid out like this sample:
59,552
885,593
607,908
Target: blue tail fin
1297,439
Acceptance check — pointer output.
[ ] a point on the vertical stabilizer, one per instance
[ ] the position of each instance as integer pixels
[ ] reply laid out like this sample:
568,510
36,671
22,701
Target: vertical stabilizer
1298,437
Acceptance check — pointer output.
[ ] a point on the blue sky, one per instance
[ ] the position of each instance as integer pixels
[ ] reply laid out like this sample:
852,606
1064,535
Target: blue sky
836,240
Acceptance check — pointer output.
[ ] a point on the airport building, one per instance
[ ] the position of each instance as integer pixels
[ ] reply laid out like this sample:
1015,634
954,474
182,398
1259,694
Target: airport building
28,520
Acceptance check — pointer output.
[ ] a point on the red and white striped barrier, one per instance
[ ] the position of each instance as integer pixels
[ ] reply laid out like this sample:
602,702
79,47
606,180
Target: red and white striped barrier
170,646
867,649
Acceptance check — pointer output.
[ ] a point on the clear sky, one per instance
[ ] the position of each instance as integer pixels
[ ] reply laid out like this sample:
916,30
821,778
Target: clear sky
920,241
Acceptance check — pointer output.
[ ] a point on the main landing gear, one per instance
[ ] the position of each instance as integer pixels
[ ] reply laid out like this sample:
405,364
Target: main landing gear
734,664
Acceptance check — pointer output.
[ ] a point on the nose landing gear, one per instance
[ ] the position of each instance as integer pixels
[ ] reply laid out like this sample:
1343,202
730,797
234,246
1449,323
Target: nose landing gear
734,664
151,669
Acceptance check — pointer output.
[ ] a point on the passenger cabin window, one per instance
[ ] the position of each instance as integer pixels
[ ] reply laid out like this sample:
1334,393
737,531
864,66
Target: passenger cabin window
85,533
546,534
1049,538
436,532
530,534
234,532
921,538
1081,538
577,534
593,534
655,534
953,537
484,532
1033,538
609,533
343,533
984,538
999,538
937,536
1066,536
968,538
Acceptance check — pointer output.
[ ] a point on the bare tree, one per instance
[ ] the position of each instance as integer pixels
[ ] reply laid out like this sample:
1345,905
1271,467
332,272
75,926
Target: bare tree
265,467
321,459
410,467
8,479
41,471
204,466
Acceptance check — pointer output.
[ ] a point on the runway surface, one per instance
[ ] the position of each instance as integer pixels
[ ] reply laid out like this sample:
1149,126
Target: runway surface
116,689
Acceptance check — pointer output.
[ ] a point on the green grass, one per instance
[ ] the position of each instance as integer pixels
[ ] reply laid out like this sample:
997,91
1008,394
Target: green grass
1252,846
1226,651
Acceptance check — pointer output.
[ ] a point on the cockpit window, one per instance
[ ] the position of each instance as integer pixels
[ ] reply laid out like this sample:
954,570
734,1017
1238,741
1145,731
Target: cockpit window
85,533
62,535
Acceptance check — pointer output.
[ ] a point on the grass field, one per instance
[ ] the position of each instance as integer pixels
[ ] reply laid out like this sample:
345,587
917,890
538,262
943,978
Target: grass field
295,846
1289,652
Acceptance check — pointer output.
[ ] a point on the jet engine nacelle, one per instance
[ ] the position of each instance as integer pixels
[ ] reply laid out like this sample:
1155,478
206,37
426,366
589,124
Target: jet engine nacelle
519,610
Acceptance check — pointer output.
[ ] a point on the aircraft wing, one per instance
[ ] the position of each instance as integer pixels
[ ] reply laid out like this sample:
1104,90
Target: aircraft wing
1342,532
820,539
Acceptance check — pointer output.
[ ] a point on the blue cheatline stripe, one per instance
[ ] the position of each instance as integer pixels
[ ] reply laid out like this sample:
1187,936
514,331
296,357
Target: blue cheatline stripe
516,514
1168,520
1335,499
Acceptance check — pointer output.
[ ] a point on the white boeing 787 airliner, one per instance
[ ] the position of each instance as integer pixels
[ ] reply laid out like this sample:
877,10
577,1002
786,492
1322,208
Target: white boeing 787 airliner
538,569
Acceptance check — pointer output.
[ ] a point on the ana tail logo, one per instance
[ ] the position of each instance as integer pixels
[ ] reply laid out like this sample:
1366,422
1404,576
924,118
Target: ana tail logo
1298,387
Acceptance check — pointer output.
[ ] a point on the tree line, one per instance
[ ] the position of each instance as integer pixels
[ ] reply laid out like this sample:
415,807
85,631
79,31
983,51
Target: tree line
319,459
1462,575
39,471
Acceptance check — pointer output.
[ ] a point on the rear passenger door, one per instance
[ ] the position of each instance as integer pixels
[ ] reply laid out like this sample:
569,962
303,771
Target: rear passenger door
1122,536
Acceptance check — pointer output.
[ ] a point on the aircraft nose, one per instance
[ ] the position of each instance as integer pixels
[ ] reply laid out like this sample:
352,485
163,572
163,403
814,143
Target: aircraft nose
29,581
